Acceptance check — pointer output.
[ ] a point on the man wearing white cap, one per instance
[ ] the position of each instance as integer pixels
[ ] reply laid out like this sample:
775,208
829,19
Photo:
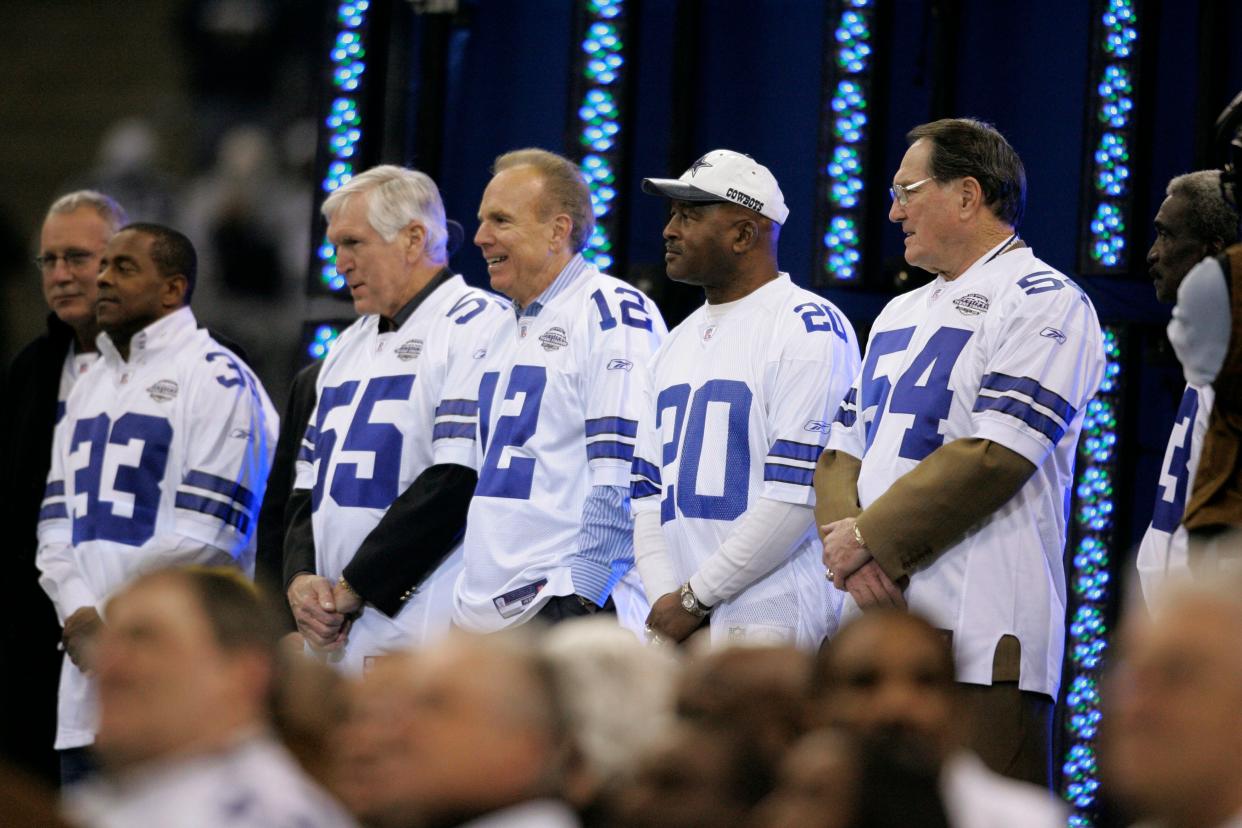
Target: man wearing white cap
744,391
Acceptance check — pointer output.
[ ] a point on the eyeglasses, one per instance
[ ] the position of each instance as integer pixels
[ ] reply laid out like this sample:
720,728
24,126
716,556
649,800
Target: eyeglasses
900,193
74,260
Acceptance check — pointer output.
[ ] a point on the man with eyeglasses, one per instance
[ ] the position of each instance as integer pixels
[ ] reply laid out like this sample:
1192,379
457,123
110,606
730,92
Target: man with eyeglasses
75,232
947,472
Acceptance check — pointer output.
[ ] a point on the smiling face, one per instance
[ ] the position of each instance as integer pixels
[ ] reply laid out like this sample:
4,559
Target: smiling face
79,236
378,272
929,218
1176,249
524,241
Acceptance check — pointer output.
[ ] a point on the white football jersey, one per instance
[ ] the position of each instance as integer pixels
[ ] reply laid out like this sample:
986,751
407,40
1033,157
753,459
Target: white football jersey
559,403
1162,555
159,460
744,395
1010,351
389,406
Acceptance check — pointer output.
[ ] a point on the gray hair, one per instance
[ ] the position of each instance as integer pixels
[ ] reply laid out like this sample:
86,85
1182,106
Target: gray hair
565,190
106,206
1208,215
396,196
962,147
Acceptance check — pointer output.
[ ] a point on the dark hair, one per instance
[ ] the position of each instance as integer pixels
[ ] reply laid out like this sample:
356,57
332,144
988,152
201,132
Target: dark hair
172,252
963,147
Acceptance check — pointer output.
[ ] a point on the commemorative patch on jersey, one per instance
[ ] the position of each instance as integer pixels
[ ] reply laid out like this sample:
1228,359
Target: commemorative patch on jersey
553,339
972,304
513,602
163,391
1053,333
408,350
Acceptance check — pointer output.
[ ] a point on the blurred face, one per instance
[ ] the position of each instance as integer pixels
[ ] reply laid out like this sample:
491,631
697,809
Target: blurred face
697,242
892,682
818,785
689,781
132,291
1173,730
165,685
524,243
929,217
78,240
379,273
437,734
1175,251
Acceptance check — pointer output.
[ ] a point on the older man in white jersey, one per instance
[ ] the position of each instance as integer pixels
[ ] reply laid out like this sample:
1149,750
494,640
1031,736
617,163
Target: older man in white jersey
743,394
564,376
947,472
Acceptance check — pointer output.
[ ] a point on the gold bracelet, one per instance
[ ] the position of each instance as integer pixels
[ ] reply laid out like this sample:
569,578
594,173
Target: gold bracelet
858,538
344,584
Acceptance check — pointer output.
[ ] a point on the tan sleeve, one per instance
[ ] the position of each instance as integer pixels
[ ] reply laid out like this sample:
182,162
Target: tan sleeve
927,509
836,486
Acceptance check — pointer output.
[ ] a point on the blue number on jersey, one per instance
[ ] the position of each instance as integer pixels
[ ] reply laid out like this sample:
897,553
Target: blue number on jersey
821,318
141,482
239,377
512,430
922,389
1040,282
1167,514
330,398
383,440
733,499
676,397
479,304
633,311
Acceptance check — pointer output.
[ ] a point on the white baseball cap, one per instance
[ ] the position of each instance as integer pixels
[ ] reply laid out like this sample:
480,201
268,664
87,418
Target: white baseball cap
725,175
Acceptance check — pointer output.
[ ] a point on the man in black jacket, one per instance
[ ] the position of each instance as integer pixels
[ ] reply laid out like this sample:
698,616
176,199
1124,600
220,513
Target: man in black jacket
75,232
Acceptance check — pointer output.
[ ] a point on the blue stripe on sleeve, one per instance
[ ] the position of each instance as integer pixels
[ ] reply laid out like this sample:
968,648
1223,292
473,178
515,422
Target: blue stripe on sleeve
1056,404
53,511
648,470
845,417
1023,411
612,425
643,488
306,454
221,511
443,431
788,474
220,485
610,449
458,408
55,488
791,450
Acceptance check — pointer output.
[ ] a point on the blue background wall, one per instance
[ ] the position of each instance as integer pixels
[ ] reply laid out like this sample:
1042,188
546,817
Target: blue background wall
755,87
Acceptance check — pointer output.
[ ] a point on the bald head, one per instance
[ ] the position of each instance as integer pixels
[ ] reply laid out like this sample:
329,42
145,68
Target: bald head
889,675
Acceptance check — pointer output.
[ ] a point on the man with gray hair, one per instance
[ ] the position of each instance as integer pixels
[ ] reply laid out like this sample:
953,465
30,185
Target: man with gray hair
1193,223
75,232
386,469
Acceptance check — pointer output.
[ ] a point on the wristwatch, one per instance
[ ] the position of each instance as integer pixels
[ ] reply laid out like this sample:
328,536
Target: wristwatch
691,603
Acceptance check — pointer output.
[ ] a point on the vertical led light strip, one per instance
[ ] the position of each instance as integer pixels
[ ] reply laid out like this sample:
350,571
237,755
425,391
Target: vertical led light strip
1110,133
843,141
600,75
343,121
1090,537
